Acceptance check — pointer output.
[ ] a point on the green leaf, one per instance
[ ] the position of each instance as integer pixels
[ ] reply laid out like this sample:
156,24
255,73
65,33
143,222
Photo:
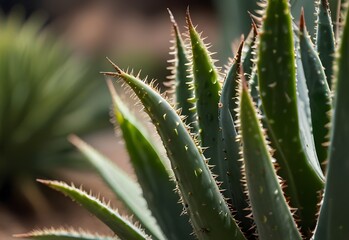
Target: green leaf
319,92
233,164
208,212
125,188
119,225
333,220
277,85
152,175
325,40
184,85
62,234
207,88
270,210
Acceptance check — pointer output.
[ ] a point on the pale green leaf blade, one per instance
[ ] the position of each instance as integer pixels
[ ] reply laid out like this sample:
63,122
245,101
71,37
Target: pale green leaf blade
119,225
125,188
62,234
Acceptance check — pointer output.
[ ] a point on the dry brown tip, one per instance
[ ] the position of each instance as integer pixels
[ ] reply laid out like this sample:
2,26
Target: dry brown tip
239,51
302,26
118,70
325,4
254,28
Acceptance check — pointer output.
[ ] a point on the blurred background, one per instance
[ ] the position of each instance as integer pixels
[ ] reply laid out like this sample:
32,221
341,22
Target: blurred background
40,39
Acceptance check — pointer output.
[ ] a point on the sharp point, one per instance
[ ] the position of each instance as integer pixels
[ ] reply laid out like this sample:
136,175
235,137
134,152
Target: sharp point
238,53
188,19
72,138
118,70
171,16
302,26
46,182
254,27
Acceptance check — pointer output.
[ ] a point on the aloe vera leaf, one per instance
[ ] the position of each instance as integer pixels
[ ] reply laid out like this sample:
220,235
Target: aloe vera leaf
125,188
154,178
207,209
62,234
269,207
233,164
277,85
122,227
319,92
325,38
207,88
184,86
333,221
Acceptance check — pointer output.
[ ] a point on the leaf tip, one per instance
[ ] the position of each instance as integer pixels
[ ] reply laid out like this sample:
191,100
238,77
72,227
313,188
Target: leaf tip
188,19
302,26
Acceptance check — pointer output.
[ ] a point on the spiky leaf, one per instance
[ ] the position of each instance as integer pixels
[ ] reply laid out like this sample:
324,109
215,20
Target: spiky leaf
325,43
207,87
209,214
276,74
122,227
232,179
151,173
333,221
62,234
270,210
184,89
125,188
319,92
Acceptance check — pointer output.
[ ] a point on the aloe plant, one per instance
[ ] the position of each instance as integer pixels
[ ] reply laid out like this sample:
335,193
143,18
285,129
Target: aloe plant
246,159
44,89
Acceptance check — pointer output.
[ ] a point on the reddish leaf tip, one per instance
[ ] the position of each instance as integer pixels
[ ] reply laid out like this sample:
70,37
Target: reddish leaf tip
302,26
118,70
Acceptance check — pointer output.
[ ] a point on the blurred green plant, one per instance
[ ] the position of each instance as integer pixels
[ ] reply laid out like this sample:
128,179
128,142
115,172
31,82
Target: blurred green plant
246,157
45,94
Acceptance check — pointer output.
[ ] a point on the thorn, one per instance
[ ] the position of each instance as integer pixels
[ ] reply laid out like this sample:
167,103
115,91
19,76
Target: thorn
171,17
118,70
46,182
302,26
112,74
254,28
188,19
237,58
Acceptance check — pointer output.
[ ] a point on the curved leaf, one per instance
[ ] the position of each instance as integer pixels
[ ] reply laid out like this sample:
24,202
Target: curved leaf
319,92
209,214
125,188
120,226
269,207
152,175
